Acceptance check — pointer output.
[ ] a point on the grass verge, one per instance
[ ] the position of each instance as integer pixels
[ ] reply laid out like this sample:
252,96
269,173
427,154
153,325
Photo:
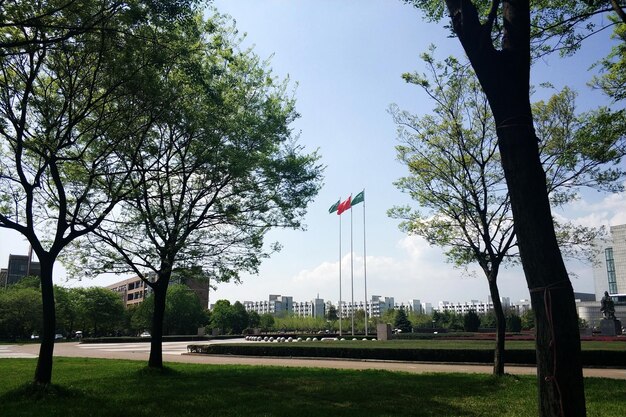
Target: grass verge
99,387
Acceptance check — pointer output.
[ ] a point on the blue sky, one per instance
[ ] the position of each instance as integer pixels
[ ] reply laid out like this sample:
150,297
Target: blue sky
345,60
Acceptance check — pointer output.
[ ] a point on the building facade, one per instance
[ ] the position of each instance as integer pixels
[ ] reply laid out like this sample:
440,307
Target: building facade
19,266
133,290
609,271
277,305
479,307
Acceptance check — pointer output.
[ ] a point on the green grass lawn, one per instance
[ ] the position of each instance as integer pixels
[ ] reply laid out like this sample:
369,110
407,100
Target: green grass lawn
99,387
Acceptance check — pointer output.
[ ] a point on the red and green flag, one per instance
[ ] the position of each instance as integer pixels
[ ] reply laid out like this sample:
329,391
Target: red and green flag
359,198
334,207
343,206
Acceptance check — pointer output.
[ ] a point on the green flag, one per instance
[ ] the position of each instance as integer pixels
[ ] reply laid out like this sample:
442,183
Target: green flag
359,198
334,207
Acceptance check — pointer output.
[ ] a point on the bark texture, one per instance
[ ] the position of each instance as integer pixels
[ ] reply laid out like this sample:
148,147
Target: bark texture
43,372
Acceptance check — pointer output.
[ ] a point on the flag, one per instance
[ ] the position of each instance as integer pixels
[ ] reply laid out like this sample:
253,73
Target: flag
345,205
334,207
359,198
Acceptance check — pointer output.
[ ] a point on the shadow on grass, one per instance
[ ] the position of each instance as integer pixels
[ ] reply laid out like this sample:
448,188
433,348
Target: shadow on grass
39,392
148,372
120,388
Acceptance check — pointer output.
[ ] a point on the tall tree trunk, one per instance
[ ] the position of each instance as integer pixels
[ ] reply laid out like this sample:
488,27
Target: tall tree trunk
498,357
504,76
43,372
557,335
156,341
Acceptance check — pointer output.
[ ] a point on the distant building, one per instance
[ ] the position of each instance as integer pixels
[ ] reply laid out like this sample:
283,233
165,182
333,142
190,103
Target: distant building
19,266
521,306
479,307
609,271
280,305
133,290
277,305
313,308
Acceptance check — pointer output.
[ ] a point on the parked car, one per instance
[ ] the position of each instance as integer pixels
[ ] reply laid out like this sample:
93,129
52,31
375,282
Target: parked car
58,336
34,336
145,334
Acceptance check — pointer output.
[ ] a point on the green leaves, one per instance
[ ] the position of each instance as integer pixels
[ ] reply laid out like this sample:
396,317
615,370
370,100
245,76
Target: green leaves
455,175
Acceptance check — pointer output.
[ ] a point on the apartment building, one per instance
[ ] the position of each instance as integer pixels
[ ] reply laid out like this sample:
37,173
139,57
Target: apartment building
277,305
133,290
19,266
465,307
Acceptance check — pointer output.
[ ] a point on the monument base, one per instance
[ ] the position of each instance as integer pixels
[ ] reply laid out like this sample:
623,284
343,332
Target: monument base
610,327
383,331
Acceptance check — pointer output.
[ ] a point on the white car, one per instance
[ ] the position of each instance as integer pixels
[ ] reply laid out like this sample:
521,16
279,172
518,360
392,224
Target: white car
145,334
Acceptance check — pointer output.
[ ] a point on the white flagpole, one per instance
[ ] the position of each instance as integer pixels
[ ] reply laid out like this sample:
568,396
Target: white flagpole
365,266
351,274
339,307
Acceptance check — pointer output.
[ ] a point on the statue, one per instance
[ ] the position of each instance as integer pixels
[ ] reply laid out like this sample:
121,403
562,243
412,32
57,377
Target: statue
607,307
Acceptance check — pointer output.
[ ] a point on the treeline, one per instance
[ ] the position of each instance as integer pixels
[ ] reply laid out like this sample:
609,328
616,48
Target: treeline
95,311
234,319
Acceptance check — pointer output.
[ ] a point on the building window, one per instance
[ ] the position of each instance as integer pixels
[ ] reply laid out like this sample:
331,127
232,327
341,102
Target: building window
610,270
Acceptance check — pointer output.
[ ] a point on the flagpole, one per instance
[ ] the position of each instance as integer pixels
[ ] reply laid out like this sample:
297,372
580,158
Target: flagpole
365,267
340,309
351,274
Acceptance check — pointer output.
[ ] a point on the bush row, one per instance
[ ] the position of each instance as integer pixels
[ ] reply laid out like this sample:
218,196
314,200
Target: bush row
518,356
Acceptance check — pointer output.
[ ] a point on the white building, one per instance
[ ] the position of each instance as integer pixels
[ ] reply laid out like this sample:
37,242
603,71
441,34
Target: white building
480,307
609,271
314,308
276,305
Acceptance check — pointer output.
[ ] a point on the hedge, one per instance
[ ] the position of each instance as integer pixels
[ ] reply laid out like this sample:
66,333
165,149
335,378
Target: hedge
598,358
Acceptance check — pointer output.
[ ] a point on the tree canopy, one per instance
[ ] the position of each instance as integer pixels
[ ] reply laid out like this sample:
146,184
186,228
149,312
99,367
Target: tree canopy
219,167
75,101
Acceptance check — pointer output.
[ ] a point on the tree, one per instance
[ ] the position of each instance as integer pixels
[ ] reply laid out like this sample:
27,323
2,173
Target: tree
471,321
528,319
20,312
513,323
421,321
56,21
70,102
239,318
184,313
402,322
66,301
222,316
220,169
332,313
254,320
503,69
488,320
267,322
457,179
101,311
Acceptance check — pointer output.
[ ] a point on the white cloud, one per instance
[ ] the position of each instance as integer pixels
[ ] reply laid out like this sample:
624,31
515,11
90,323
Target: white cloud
418,271
610,210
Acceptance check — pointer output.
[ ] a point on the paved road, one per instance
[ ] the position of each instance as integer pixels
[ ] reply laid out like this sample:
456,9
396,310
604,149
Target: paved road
173,352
